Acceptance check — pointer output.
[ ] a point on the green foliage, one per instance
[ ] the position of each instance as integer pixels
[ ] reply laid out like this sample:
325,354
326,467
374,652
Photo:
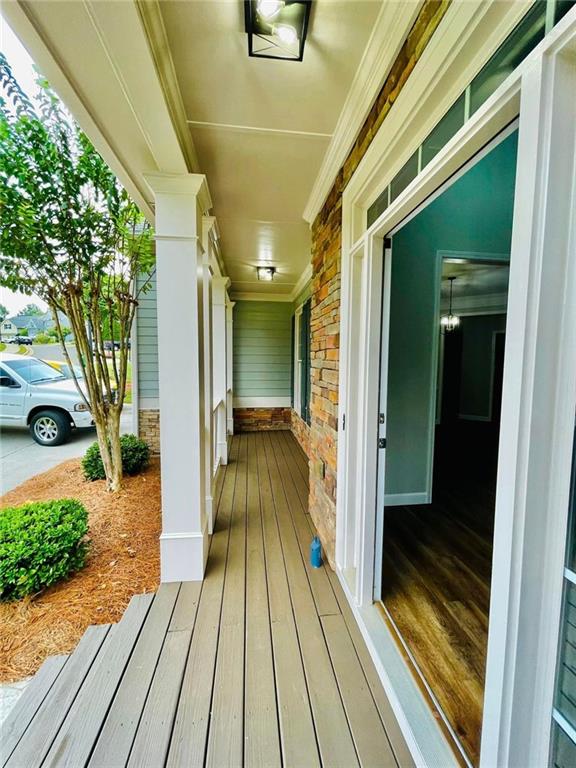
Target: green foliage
22,331
71,235
3,313
135,458
31,310
41,543
43,338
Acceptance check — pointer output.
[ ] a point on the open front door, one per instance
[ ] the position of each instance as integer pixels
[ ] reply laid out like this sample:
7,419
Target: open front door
382,421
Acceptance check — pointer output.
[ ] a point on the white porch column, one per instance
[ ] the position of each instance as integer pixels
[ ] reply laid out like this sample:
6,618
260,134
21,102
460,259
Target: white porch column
219,334
209,436
229,366
180,202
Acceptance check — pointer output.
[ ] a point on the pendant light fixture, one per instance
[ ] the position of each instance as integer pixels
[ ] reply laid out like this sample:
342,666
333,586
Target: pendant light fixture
449,322
277,28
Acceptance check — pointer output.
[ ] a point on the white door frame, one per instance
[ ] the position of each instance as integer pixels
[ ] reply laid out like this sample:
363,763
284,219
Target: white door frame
539,401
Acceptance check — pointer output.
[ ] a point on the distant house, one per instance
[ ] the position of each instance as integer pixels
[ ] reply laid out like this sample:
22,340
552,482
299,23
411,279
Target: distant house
32,325
8,329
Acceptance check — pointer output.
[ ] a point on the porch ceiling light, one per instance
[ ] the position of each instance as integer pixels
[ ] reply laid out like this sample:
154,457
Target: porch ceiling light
449,322
277,28
266,273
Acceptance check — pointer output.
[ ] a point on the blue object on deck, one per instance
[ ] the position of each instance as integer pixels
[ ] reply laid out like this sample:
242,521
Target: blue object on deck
316,553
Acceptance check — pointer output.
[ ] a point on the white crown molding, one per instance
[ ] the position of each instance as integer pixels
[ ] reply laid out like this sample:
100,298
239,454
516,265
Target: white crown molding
244,296
153,24
303,280
394,22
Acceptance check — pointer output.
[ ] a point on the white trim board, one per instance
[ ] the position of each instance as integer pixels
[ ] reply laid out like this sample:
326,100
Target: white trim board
262,402
539,397
390,31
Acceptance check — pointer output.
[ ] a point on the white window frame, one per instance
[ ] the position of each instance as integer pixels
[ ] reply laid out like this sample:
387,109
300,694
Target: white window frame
297,384
539,397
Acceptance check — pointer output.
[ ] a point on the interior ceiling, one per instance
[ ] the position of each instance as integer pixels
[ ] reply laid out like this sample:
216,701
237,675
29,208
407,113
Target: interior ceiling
261,127
475,279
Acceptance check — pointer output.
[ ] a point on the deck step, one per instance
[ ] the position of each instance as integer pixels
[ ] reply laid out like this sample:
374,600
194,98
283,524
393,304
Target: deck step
48,708
28,704
62,689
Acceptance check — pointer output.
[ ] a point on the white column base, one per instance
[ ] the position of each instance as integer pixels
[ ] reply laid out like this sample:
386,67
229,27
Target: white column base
183,556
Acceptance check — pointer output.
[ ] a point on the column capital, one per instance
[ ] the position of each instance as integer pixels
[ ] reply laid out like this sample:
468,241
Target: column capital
192,184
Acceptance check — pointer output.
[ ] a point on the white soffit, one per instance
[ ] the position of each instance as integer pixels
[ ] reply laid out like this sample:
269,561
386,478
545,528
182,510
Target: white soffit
261,127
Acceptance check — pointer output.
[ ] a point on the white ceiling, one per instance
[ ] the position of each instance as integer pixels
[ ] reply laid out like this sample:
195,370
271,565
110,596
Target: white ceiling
475,279
261,127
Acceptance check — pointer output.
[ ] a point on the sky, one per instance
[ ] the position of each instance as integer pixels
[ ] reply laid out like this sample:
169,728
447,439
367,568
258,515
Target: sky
23,68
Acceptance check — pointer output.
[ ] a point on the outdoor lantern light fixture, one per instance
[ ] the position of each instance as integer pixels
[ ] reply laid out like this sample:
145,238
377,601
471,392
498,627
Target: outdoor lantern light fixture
266,273
450,321
277,28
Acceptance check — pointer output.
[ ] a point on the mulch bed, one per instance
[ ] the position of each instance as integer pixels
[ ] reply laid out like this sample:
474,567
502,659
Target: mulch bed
124,560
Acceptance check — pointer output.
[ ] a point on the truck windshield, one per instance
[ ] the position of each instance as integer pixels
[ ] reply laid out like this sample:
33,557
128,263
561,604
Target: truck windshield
34,371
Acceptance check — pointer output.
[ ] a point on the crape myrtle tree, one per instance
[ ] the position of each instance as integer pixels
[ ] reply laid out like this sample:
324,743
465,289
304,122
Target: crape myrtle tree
70,234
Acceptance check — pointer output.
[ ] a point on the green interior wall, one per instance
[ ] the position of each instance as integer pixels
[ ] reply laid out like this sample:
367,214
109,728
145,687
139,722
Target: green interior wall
262,349
473,215
477,364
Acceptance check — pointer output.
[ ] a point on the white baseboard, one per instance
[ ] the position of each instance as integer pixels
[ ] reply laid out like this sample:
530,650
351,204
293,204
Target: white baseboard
223,452
406,499
183,556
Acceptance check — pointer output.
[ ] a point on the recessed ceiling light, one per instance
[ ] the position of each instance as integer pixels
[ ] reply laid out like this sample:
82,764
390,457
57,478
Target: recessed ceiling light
266,273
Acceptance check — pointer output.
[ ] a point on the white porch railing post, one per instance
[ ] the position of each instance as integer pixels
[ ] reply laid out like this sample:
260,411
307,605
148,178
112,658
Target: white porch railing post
219,335
180,202
229,400
210,437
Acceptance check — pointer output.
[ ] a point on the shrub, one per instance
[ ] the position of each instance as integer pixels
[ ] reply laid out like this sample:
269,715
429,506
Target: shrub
43,338
41,542
135,458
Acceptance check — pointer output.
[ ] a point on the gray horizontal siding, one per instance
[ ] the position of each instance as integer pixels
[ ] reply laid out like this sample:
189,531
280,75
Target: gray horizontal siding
262,349
147,330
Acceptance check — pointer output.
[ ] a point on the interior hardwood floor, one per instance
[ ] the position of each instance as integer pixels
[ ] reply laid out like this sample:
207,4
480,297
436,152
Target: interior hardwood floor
436,588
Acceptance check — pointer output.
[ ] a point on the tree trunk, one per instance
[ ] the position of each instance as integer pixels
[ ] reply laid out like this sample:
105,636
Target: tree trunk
115,478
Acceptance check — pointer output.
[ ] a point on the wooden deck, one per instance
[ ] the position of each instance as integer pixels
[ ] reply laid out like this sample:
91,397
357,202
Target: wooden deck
261,664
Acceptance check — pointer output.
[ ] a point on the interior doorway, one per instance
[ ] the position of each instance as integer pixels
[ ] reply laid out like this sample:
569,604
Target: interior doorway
441,394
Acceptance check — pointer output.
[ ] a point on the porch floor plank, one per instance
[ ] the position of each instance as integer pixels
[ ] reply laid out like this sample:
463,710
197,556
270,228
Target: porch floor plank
116,737
261,665
262,739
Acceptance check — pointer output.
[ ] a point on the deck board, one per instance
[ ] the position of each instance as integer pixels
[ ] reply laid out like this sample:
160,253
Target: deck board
261,665
55,707
26,707
116,737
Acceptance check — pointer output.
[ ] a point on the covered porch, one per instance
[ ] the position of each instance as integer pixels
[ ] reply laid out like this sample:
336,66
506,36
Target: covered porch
261,664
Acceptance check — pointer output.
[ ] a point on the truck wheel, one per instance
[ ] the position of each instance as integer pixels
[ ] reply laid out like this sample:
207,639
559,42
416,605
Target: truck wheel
50,428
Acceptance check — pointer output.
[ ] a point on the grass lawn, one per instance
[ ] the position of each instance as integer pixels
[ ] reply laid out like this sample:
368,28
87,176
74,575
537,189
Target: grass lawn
2,346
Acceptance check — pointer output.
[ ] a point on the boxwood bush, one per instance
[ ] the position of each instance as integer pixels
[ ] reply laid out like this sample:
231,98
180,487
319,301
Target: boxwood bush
135,458
41,542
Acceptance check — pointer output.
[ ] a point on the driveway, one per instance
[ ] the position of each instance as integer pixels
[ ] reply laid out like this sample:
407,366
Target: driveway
22,458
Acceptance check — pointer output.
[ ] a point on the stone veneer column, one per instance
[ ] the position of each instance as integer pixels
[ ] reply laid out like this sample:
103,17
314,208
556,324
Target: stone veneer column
180,202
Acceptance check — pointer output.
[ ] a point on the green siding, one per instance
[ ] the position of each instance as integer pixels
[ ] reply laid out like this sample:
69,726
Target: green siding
262,349
147,331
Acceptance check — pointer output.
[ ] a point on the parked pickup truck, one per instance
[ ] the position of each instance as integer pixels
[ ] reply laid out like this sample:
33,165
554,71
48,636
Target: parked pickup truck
35,395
